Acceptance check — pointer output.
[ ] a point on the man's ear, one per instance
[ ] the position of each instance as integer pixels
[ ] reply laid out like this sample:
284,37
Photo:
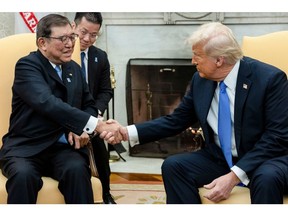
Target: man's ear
73,24
41,43
219,61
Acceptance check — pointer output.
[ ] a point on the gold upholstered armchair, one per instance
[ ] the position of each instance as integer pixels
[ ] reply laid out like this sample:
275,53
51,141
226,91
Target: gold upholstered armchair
272,49
13,48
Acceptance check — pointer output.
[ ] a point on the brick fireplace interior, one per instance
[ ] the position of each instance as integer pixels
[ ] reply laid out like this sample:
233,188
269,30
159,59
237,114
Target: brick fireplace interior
154,87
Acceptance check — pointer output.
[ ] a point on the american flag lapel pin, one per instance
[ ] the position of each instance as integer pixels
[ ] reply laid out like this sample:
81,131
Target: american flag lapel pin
245,86
96,59
69,78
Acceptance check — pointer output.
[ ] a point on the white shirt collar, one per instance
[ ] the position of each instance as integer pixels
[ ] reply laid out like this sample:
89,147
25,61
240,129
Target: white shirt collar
86,53
54,65
231,79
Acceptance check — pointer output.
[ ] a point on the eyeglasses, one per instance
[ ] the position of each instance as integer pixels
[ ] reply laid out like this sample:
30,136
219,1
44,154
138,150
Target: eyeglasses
65,38
91,35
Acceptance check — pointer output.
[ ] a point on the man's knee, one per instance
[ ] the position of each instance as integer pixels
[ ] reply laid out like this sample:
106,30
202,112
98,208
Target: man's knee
22,174
23,177
170,165
266,175
76,168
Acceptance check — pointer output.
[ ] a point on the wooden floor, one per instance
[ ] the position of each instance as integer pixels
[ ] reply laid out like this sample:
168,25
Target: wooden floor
126,178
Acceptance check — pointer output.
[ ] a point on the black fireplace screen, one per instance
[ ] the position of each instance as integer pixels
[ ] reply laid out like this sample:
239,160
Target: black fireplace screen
154,87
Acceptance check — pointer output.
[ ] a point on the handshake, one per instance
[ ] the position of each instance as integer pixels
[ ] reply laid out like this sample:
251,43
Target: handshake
111,131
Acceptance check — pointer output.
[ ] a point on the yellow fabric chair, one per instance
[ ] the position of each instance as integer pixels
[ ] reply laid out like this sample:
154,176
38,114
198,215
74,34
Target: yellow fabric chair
239,195
272,49
13,48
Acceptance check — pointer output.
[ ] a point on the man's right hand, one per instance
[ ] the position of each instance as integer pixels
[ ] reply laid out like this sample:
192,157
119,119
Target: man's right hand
221,187
114,137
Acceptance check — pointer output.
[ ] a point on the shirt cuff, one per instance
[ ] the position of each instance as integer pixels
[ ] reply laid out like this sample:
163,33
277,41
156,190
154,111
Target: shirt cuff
91,125
133,135
241,175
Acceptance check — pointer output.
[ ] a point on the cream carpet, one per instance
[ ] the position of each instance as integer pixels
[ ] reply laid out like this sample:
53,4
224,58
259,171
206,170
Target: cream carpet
138,193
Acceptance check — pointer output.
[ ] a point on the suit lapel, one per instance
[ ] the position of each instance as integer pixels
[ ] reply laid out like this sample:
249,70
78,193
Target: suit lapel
92,68
54,74
204,97
242,89
202,93
51,71
67,77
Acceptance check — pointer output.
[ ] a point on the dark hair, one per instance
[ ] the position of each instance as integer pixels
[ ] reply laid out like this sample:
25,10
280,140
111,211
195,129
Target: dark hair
47,22
94,17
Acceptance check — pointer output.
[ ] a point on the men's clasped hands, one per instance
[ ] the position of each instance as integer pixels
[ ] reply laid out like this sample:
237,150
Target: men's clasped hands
111,131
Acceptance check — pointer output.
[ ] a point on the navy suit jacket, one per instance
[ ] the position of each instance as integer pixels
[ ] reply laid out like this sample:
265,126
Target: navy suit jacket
99,77
44,107
260,115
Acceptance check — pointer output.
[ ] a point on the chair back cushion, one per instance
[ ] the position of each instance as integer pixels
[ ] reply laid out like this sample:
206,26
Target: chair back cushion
270,48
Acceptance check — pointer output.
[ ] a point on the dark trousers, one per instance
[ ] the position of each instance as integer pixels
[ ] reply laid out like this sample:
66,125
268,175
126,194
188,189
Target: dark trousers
60,161
101,156
183,174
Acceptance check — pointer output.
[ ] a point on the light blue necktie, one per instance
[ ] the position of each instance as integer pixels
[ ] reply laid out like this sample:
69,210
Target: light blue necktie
224,124
83,64
59,71
62,139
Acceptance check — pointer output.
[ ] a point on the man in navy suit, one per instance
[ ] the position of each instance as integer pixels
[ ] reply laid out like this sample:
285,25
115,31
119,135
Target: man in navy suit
97,73
258,96
52,115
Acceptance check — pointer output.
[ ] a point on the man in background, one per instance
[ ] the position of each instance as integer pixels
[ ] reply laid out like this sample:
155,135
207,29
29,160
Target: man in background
96,70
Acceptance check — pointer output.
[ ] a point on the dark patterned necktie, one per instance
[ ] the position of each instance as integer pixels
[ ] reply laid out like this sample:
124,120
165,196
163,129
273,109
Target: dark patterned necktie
83,65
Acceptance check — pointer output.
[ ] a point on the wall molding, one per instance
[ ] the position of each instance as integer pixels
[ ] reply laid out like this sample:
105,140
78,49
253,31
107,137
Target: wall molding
188,18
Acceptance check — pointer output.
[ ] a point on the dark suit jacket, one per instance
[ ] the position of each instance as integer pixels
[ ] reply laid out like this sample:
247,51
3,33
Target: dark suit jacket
260,115
44,107
99,77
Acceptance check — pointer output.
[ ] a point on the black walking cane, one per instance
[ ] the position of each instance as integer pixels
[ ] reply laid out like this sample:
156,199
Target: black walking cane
118,147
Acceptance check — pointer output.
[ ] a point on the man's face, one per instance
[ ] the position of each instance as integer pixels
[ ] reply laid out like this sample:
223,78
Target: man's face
59,46
88,33
206,65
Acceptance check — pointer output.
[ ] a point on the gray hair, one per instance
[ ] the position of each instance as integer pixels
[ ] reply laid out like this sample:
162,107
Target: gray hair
217,40
45,24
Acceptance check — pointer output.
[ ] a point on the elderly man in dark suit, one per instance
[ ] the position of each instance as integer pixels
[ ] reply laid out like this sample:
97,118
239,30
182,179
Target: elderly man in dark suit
52,115
254,151
96,70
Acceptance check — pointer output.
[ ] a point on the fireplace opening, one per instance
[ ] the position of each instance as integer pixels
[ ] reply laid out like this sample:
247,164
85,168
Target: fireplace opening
155,87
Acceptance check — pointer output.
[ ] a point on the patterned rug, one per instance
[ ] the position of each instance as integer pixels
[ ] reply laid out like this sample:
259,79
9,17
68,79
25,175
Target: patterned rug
138,193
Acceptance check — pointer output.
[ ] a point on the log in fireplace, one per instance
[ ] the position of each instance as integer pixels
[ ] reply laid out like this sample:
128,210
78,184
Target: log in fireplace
154,87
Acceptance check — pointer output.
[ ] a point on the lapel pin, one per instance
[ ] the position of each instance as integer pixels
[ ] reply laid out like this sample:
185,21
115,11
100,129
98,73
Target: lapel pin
245,86
96,59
